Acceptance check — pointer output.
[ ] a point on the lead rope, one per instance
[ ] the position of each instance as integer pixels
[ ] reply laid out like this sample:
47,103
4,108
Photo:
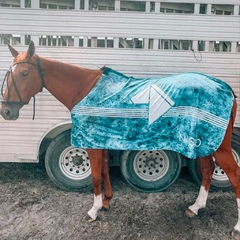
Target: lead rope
194,54
34,107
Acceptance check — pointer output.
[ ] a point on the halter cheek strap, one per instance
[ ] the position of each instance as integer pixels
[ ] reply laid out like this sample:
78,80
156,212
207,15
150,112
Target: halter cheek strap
41,73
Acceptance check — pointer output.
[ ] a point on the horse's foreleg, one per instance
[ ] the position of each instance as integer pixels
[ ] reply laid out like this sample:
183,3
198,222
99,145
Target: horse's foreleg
207,168
106,179
96,168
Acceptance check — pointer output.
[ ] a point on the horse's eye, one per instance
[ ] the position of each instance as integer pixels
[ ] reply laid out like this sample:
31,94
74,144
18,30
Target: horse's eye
24,73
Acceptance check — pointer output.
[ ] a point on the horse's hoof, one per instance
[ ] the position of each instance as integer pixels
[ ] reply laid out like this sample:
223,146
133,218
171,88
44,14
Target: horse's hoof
190,213
235,233
105,209
89,219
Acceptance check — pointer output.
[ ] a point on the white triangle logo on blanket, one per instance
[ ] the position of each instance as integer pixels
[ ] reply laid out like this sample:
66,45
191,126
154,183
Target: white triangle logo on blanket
159,102
142,97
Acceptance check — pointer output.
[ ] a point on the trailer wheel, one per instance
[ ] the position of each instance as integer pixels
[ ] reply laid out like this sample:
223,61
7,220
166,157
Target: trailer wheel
150,171
220,181
68,167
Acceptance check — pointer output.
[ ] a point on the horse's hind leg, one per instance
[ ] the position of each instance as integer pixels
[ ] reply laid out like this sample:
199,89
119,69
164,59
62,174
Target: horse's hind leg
95,157
226,161
207,168
106,180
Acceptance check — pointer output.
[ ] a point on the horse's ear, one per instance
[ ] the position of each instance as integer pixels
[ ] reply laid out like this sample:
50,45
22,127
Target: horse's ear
13,51
31,49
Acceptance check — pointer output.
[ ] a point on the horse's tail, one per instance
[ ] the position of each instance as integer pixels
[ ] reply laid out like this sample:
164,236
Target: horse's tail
234,94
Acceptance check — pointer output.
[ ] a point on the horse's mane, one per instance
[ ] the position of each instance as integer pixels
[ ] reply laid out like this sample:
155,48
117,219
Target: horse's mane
103,68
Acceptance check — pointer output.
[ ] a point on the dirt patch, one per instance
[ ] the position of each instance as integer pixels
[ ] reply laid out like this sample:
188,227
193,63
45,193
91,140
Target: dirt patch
33,208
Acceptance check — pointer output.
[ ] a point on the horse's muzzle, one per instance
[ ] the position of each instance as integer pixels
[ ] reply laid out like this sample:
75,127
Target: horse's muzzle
10,111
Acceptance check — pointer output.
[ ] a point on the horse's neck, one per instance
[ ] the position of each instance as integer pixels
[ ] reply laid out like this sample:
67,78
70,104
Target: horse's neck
68,83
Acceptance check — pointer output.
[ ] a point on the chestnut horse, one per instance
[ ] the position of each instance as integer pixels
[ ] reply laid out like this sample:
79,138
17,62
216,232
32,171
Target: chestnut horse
28,75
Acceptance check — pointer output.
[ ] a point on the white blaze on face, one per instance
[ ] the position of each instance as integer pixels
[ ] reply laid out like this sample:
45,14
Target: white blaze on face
97,205
237,226
200,201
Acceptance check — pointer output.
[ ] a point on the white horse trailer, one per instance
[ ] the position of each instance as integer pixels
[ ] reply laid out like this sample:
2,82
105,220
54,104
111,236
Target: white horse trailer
139,38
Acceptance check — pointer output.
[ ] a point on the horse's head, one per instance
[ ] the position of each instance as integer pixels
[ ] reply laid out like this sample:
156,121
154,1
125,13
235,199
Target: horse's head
23,80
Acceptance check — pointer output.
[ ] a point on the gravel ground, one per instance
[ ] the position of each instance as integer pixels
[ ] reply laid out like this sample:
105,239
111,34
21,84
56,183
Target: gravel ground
33,208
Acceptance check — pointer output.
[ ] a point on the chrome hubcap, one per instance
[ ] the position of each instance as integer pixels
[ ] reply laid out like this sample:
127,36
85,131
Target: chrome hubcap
151,165
75,163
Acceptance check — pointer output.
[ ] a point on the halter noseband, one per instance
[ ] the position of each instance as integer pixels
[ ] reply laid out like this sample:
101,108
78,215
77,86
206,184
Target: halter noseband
41,73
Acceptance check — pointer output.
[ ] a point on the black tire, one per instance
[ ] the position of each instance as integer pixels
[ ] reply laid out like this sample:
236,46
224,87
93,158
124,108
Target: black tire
68,167
220,181
150,171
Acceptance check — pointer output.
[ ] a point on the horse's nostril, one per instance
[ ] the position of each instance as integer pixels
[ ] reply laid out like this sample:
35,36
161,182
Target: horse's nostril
7,112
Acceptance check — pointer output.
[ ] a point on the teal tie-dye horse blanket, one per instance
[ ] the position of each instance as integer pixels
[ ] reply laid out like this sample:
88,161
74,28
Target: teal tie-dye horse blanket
187,113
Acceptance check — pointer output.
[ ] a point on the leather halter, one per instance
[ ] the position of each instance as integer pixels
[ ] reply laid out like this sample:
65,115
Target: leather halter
21,102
